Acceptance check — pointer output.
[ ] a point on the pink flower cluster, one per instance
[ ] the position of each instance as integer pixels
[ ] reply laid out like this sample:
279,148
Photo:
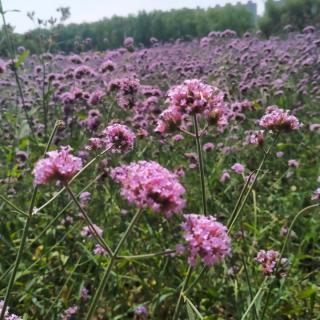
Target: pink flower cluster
60,165
255,137
193,97
87,232
268,260
148,184
70,313
116,137
206,238
316,195
278,119
238,168
119,138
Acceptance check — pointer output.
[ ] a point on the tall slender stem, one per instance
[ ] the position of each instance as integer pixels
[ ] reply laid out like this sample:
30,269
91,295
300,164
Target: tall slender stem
24,233
204,210
244,263
184,287
240,204
14,69
201,168
101,241
282,252
113,259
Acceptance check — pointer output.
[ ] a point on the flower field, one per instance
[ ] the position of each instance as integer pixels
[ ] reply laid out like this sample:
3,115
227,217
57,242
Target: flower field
179,181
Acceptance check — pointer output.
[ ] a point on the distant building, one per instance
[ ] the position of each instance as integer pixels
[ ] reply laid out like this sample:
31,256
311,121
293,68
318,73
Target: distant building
252,7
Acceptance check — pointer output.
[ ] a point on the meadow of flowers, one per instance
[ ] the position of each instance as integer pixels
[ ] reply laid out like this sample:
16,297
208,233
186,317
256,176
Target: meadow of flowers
179,181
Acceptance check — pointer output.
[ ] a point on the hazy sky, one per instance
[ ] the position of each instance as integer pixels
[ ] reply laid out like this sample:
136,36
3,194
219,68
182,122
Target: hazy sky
93,10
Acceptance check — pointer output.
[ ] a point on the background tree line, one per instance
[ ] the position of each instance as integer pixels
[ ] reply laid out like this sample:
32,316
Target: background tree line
162,25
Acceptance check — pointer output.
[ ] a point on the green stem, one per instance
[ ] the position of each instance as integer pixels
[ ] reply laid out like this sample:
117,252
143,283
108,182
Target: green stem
19,254
101,241
12,205
244,263
113,259
201,168
278,264
14,69
196,280
240,205
185,284
255,298
24,233
147,255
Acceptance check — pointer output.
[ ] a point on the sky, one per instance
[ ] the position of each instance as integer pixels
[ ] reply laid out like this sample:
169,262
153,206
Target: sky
93,10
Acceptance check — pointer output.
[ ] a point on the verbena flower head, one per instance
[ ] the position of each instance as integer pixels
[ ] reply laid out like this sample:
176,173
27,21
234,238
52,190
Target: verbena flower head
148,184
85,197
141,312
268,261
255,137
86,231
119,138
70,313
206,238
225,176
84,294
193,96
59,165
238,168
316,195
279,120
293,163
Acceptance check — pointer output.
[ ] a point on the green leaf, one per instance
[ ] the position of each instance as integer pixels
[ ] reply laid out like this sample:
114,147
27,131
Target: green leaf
23,56
191,315
308,292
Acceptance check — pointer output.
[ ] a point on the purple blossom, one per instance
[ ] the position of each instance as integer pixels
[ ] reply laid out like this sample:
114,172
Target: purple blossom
69,313
225,176
206,238
60,165
268,261
238,168
84,294
277,119
293,163
141,312
119,138
279,154
147,184
316,194
86,231
207,147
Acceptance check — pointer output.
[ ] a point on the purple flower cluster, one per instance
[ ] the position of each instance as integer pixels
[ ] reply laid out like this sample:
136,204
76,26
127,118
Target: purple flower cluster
279,120
69,313
238,168
316,194
60,165
268,261
141,312
193,97
86,231
119,138
148,184
206,238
